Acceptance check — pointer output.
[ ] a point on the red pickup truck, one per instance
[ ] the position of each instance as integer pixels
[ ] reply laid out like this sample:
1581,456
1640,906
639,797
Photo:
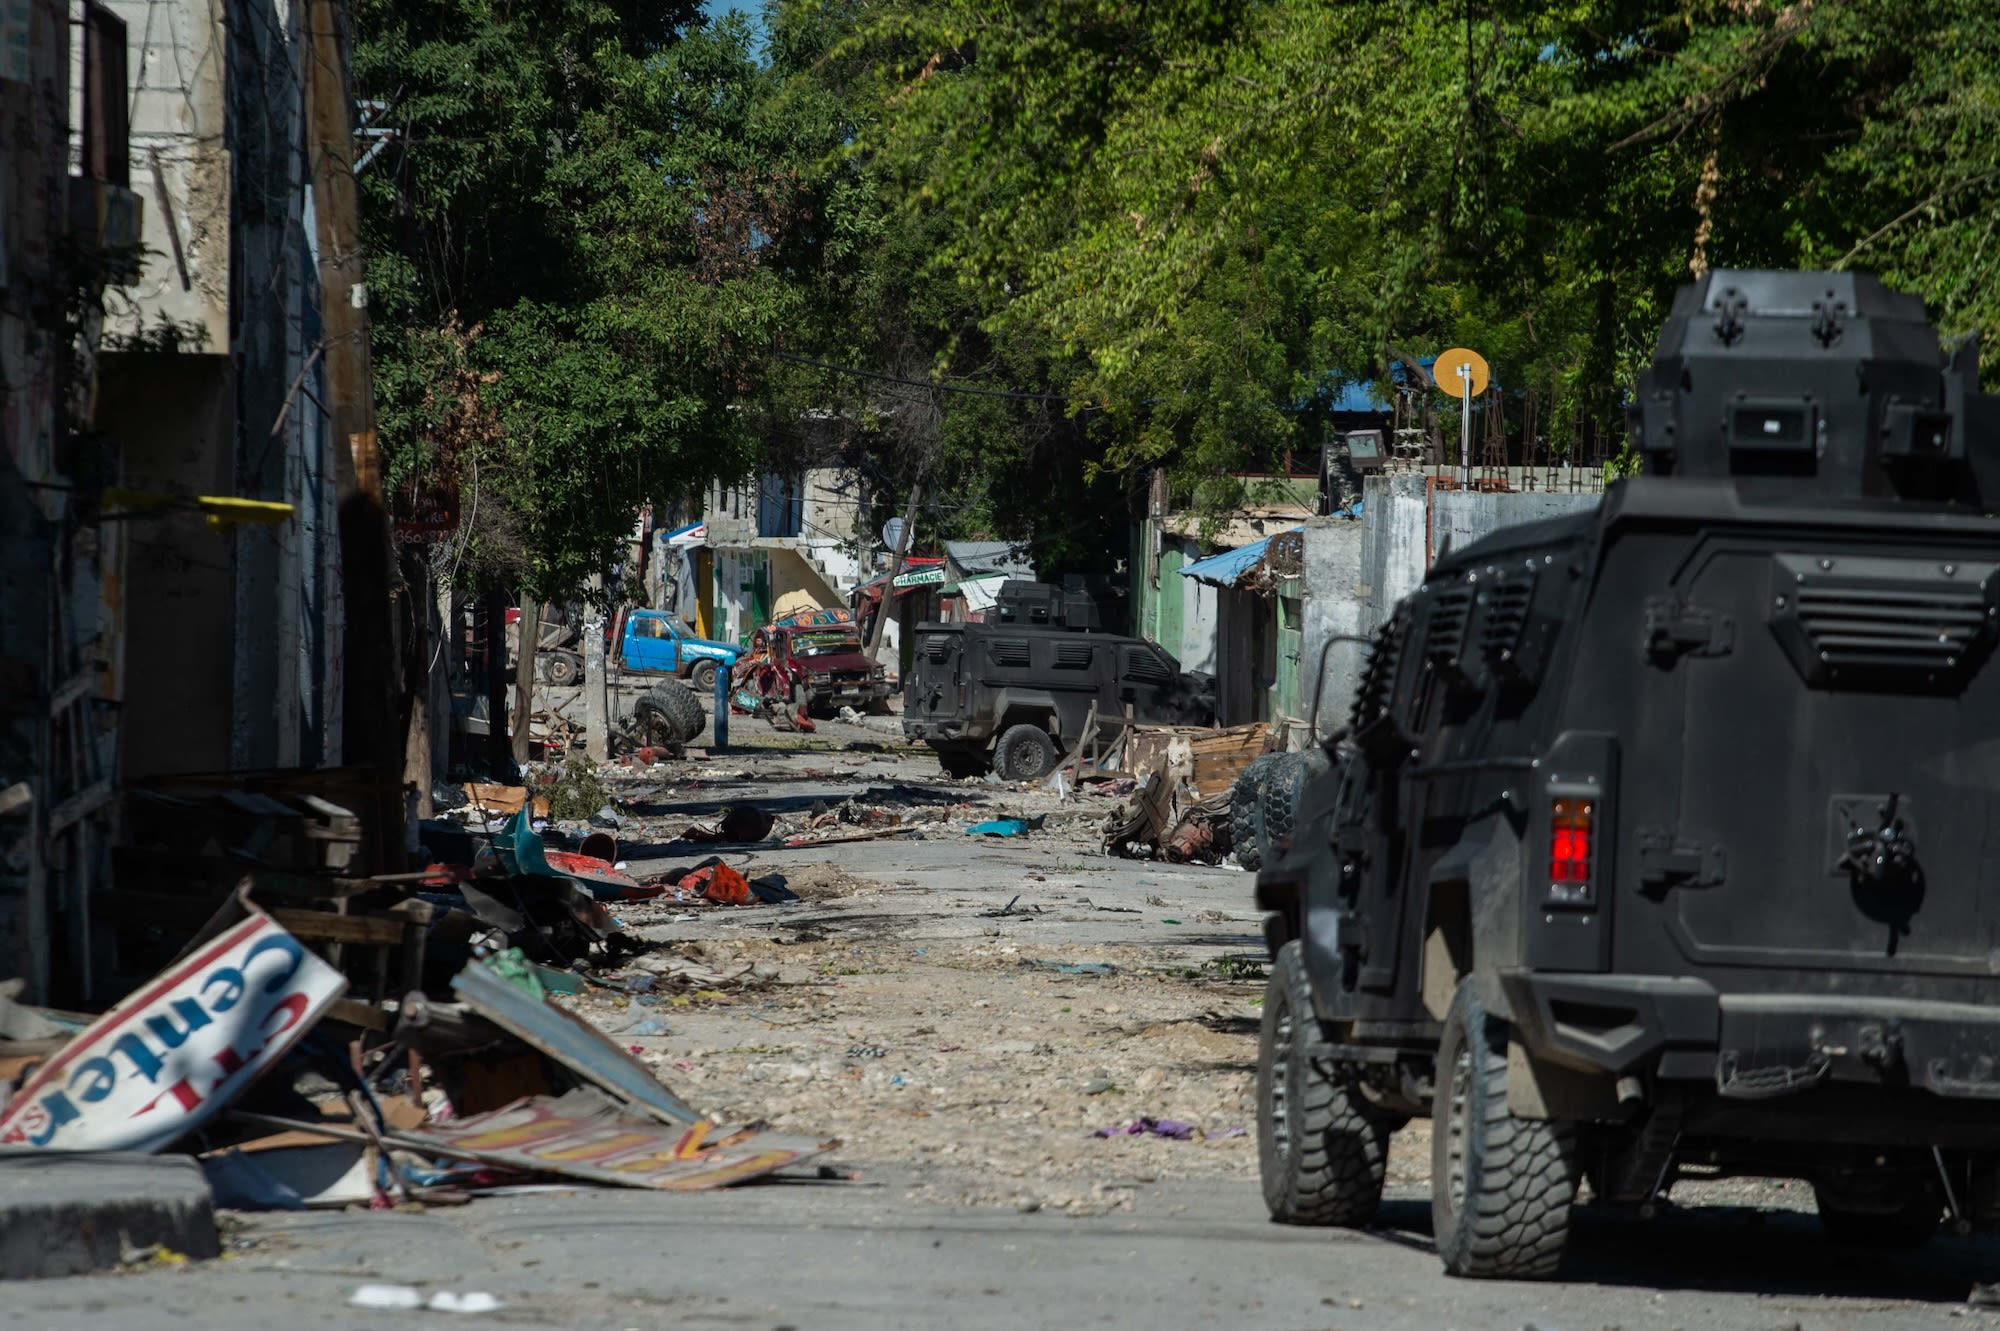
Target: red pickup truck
820,667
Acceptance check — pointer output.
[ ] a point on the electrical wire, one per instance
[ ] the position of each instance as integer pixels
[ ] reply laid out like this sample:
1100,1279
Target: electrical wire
939,386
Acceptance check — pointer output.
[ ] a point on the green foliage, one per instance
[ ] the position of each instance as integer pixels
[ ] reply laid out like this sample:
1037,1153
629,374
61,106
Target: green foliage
592,225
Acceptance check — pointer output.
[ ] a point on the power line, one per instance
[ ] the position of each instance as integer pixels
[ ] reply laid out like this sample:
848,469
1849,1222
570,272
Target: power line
942,386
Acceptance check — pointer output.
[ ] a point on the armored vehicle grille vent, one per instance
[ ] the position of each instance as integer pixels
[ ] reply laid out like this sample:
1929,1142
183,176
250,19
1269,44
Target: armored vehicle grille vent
1444,640
1141,666
1378,677
937,648
1009,651
1503,626
1073,655
1890,622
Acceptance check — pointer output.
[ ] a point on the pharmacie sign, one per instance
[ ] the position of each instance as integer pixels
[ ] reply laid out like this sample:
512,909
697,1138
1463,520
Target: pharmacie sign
921,577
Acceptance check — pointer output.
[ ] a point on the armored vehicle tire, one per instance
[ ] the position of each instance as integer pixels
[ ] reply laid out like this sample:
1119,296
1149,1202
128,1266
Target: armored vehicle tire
702,676
1321,1152
668,714
1024,753
1908,1227
1246,811
962,762
564,669
1283,793
1501,1186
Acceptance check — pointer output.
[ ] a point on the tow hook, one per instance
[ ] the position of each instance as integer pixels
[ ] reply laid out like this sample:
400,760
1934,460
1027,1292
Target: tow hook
1881,1047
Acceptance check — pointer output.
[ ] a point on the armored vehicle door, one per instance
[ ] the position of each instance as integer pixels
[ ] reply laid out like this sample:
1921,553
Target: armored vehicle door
935,688
1839,780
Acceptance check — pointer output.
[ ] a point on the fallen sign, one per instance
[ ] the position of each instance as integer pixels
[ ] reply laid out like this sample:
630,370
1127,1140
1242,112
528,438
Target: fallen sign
166,1059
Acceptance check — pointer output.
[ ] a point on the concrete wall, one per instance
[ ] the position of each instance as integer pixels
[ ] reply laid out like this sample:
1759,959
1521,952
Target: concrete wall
1355,572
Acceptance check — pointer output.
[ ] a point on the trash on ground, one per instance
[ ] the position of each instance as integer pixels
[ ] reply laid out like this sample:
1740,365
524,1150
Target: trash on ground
1170,1128
1003,827
386,1297
291,1171
1074,967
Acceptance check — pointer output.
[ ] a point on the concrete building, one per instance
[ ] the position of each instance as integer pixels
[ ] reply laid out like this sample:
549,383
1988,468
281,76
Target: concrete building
214,390
780,537
68,232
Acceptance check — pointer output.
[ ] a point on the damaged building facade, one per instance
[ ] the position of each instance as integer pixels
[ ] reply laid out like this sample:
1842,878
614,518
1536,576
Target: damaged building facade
158,354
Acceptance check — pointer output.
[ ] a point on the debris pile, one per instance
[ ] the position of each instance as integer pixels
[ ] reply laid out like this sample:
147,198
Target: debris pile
245,1053
1179,811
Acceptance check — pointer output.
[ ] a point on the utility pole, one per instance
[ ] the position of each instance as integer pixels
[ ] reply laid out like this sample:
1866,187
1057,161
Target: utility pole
373,706
530,630
895,567
597,734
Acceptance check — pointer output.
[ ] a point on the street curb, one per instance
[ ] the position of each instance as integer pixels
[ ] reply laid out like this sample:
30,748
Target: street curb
63,1215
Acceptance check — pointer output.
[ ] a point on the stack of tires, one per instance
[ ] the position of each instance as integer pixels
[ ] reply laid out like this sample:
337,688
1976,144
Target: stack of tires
1264,809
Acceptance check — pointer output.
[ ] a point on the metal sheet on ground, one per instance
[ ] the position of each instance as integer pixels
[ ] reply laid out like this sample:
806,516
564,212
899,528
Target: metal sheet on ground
585,1135
570,1041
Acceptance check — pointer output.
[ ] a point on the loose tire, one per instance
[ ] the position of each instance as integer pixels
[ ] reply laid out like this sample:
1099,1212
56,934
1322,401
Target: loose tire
668,715
1025,753
1906,1228
1321,1152
564,670
701,677
1246,803
1501,1186
1279,805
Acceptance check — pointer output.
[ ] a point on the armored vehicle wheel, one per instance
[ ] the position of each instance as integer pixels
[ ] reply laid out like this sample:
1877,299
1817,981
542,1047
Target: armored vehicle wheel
1025,753
1909,1226
962,763
1246,811
702,677
1321,1152
564,670
1501,1186
668,715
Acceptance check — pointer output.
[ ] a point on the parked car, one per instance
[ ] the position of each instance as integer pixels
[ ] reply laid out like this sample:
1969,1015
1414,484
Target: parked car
650,642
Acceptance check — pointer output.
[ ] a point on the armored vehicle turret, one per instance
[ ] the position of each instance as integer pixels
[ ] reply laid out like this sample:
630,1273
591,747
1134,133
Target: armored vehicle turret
1664,840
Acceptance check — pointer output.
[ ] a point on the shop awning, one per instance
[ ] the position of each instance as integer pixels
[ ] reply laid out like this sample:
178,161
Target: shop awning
686,538
981,593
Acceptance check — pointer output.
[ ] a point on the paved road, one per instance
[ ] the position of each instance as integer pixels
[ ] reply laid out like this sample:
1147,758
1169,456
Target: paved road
1191,1251
829,1256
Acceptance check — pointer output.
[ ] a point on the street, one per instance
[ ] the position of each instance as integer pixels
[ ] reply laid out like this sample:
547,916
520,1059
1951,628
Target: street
966,1073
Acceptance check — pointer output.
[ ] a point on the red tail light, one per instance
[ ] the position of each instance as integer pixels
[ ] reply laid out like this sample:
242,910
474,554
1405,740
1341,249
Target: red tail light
1571,828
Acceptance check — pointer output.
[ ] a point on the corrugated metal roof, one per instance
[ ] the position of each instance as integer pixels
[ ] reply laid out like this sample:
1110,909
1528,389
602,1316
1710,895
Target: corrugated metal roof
990,557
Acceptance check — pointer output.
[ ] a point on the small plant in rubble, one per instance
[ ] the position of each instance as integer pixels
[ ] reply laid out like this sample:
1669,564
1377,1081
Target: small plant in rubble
575,790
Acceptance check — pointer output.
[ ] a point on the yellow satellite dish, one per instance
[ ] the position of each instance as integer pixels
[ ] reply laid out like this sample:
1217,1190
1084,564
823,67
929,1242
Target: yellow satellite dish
1460,373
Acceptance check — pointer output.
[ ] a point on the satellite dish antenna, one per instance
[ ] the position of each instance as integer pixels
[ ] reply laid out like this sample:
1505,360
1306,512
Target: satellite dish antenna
1462,374
892,533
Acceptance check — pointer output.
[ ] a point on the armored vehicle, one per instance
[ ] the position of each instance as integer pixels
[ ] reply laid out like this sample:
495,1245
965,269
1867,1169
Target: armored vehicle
1015,693
1663,841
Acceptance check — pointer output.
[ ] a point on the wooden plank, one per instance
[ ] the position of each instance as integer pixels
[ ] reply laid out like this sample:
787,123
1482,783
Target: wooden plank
80,805
321,926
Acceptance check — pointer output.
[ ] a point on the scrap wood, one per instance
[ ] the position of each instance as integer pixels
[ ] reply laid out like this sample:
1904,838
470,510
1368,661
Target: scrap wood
583,1135
875,835
503,799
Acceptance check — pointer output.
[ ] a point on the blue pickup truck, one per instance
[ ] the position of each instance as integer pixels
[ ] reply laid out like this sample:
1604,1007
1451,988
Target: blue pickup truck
649,642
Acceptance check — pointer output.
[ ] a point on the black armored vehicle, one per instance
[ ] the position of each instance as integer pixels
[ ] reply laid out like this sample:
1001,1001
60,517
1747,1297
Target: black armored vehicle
1014,693
1663,841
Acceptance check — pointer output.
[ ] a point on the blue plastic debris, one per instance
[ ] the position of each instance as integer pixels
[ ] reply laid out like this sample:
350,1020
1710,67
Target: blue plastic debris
998,827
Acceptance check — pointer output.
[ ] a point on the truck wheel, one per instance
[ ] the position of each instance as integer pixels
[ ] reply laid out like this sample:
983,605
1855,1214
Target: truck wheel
564,670
1501,1186
668,715
1245,811
702,677
1025,753
1906,1228
1321,1153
